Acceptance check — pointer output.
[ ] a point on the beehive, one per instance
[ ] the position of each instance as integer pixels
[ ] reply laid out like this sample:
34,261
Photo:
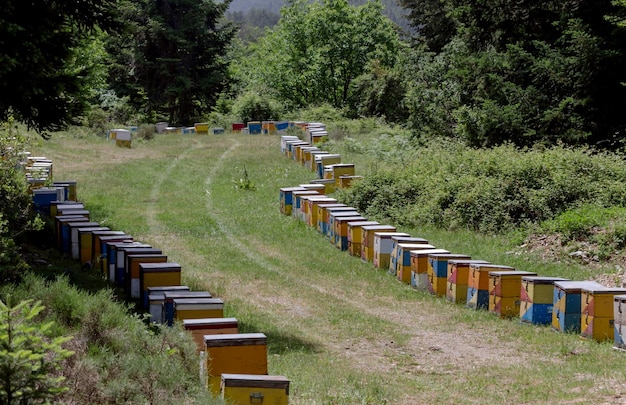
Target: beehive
103,241
251,389
329,185
346,181
310,162
437,271
382,248
325,160
311,209
133,271
241,353
55,205
413,263
341,229
268,127
291,147
123,139
367,239
478,284
75,236
86,245
160,290
355,236
60,222
333,215
71,189
209,326
323,215
157,274
393,257
96,246
168,302
567,308
286,199
537,299
111,252
121,269
342,169
196,308
458,275
69,237
597,315
297,201
305,155
254,127
238,126
283,142
619,315
505,291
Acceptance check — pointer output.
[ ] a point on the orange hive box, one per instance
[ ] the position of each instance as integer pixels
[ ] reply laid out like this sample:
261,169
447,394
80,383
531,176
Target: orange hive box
355,236
458,275
209,326
416,256
438,271
367,239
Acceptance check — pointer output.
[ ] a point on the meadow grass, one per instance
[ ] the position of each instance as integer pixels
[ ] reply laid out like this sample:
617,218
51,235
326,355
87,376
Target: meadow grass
341,331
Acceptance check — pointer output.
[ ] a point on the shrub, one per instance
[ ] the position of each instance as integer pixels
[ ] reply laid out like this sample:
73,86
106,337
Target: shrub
254,107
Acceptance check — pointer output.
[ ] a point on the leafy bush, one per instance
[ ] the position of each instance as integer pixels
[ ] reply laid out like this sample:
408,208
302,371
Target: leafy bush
490,190
254,107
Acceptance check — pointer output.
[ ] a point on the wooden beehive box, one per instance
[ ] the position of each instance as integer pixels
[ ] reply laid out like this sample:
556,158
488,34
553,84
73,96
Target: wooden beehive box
458,275
383,245
505,291
478,284
163,274
168,302
286,199
413,263
619,325
354,236
367,239
596,321
437,271
341,229
209,326
332,222
537,299
240,353
393,257
567,308
240,389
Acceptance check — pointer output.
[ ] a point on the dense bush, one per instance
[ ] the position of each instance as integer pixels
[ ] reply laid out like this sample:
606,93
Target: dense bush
490,190
254,107
118,359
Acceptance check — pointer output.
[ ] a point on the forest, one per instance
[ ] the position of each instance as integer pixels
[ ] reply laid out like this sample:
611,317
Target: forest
518,105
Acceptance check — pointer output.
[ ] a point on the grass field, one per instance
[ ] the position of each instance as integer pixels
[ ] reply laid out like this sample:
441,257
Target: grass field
341,331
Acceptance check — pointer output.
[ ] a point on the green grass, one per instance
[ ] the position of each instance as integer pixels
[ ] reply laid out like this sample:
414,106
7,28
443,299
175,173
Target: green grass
342,332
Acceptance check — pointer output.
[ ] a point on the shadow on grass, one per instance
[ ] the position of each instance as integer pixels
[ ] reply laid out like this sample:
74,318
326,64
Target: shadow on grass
280,342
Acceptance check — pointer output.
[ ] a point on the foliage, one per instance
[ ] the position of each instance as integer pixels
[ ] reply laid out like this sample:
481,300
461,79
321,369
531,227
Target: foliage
118,357
50,59
16,216
523,72
169,57
318,50
489,190
244,182
29,355
252,106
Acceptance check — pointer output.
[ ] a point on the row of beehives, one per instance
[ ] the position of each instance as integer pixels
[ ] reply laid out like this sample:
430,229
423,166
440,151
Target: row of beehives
234,364
584,307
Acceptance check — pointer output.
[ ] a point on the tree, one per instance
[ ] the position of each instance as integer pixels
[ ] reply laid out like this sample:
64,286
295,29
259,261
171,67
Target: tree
40,83
318,50
178,61
525,71
29,358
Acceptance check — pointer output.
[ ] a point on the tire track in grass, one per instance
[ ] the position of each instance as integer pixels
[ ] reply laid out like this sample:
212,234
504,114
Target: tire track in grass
155,227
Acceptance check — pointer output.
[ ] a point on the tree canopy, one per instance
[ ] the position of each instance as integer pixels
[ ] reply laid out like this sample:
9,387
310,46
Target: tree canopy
40,41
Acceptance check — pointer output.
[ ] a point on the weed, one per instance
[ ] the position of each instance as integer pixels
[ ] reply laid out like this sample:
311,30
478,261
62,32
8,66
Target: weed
244,182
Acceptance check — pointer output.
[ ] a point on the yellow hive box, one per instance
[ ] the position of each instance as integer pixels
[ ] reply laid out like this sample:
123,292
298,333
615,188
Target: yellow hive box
458,276
599,302
321,215
505,291
417,264
599,329
133,277
393,258
329,185
437,271
240,353
382,248
209,326
332,219
311,209
103,242
355,236
85,243
297,201
164,274
244,389
196,308
324,221
297,150
341,169
346,181
478,284
305,154
341,229
367,239
286,199
202,128
96,248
